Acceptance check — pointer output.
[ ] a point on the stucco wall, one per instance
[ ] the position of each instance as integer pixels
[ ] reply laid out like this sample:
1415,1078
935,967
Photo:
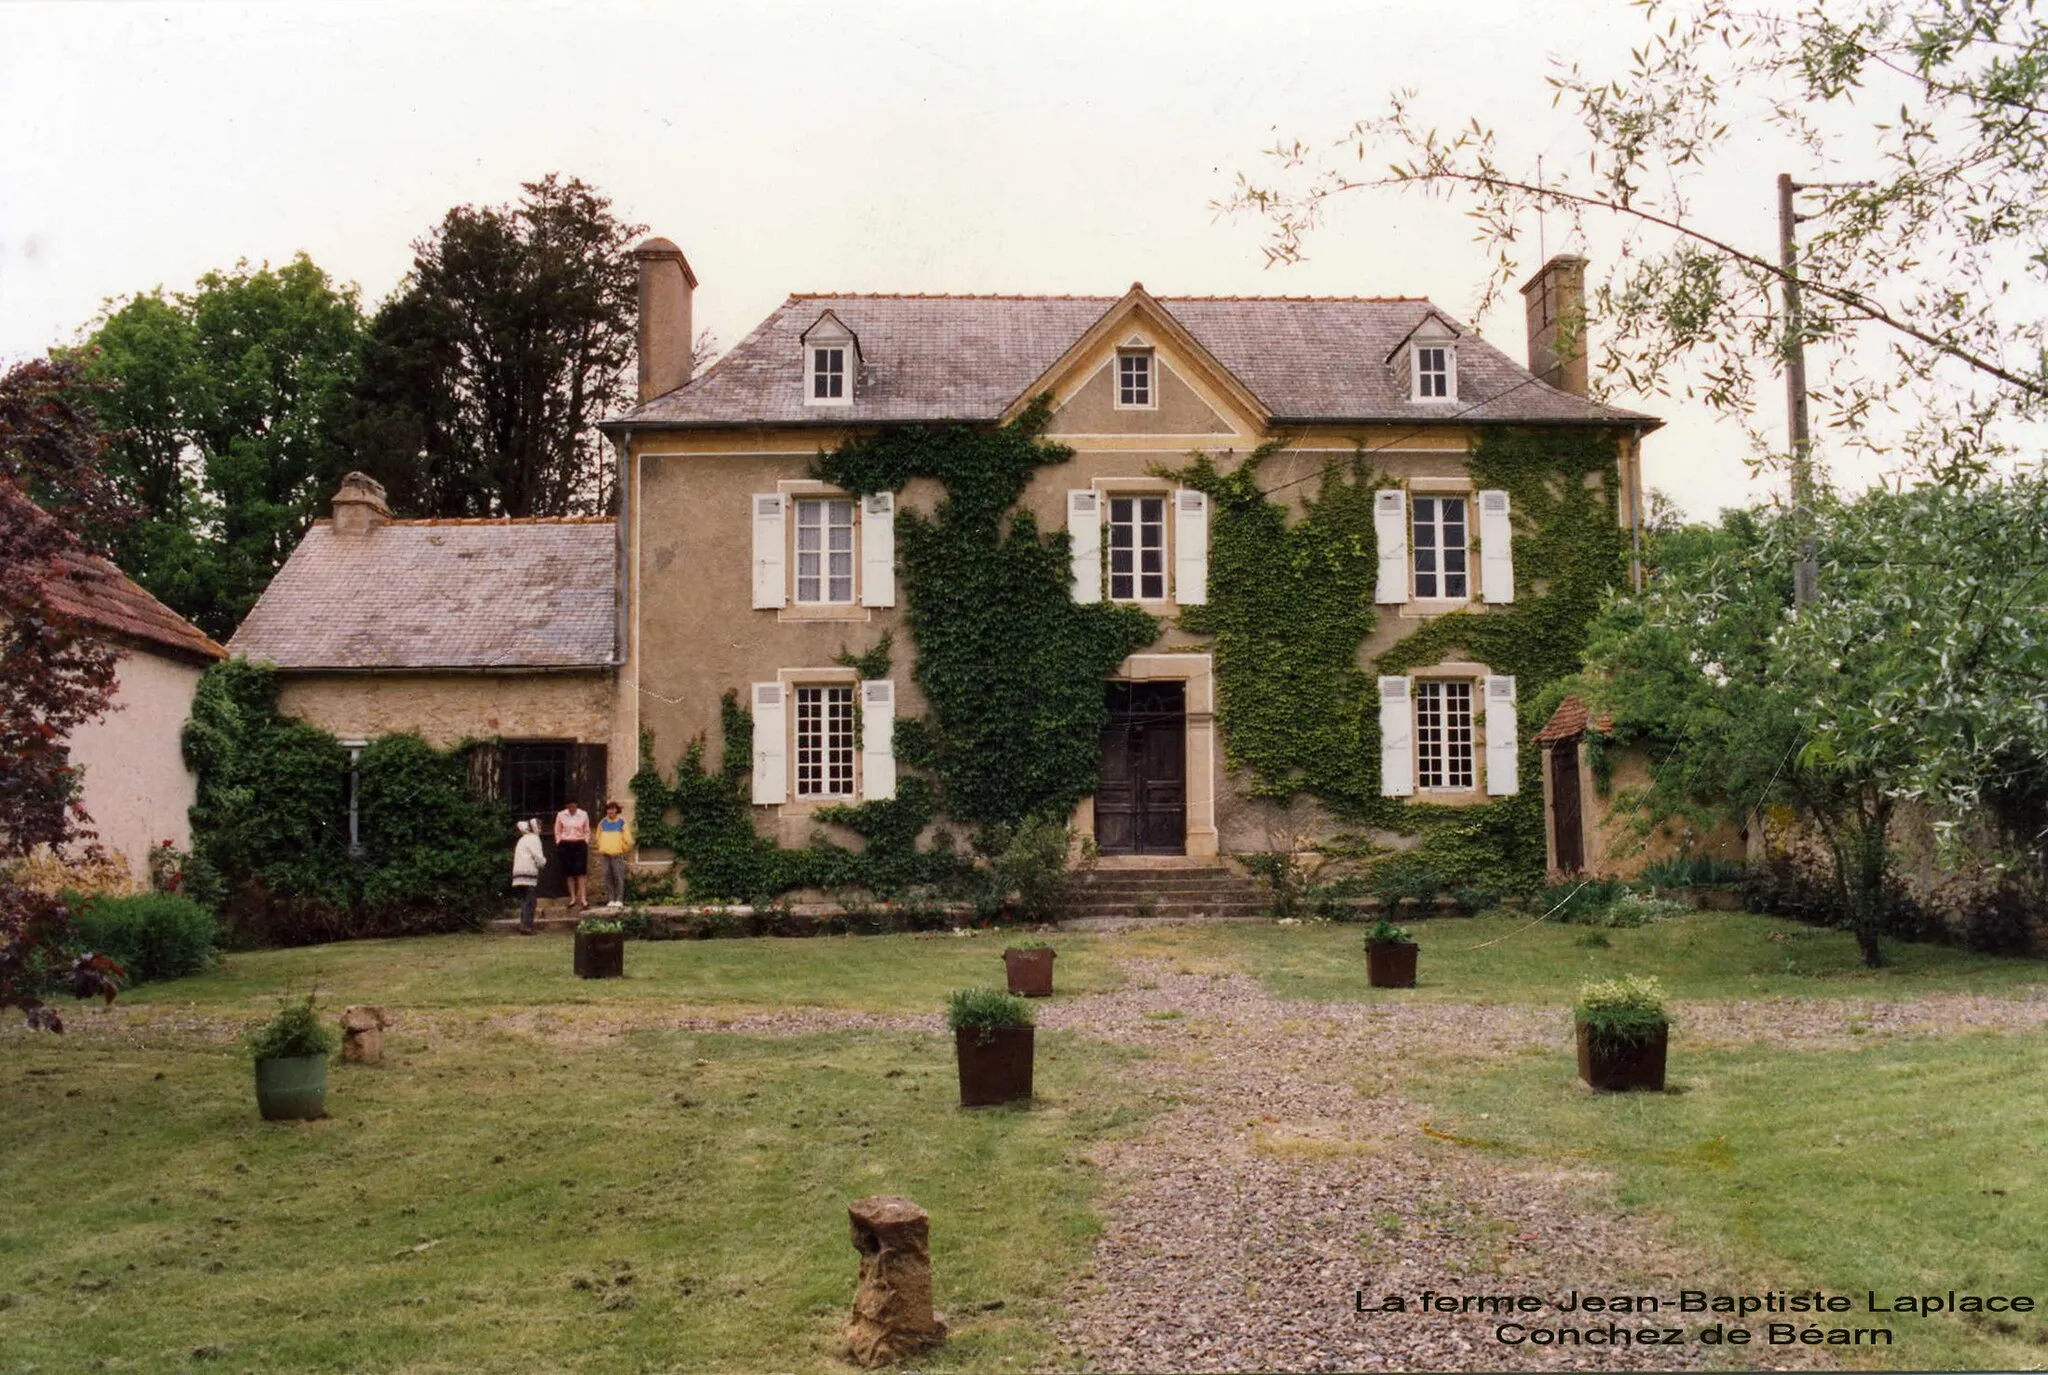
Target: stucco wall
137,788
447,708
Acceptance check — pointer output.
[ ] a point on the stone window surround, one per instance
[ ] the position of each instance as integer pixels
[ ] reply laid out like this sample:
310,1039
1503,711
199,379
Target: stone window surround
792,491
1475,674
831,675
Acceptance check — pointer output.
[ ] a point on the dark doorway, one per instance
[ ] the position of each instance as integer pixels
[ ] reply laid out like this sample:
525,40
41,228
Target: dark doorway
1567,824
537,778
1141,803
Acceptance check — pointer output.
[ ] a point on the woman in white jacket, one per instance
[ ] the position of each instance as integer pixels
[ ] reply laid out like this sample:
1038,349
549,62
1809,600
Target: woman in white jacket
528,859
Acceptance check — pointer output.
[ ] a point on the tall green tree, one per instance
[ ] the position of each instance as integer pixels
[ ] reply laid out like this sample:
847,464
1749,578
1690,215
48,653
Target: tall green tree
485,374
225,405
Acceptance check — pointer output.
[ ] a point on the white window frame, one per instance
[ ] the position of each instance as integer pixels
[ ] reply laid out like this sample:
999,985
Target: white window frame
817,701
1420,376
1437,547
823,502
1438,748
1137,526
355,750
1150,370
815,372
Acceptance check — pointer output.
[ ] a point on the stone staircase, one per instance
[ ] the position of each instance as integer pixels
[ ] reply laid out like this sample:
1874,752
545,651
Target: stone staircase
1107,895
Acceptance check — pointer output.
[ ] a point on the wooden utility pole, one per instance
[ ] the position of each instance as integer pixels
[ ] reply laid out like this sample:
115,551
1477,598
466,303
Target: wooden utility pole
1806,571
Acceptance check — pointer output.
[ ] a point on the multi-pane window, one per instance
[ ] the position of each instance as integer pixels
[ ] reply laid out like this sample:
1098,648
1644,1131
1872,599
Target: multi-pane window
1441,555
1137,549
1432,372
824,742
828,373
1134,379
1443,734
824,551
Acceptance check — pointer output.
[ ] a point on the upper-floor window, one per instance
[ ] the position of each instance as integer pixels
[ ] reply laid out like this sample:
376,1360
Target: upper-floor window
1137,548
1134,378
1443,735
824,550
1433,372
1441,548
828,373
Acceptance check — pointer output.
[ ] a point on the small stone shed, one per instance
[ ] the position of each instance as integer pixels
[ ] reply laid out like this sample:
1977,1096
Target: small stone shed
1589,823
503,633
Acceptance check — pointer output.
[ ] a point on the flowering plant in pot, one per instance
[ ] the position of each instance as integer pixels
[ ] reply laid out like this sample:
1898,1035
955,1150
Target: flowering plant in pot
1028,967
1390,953
600,949
291,1051
994,1041
1623,1033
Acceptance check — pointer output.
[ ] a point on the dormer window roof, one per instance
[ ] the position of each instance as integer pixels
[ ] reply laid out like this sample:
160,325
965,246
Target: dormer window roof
831,362
1429,356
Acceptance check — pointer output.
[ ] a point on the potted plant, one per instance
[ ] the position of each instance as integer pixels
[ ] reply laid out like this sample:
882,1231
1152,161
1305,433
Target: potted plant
994,1040
1028,966
291,1051
600,949
1390,953
1623,1032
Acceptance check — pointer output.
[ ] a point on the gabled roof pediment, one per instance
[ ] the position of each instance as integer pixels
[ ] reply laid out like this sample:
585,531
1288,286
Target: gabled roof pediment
828,328
1432,328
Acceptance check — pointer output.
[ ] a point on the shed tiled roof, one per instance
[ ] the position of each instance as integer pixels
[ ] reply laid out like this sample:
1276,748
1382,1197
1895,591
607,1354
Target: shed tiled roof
93,591
1571,718
441,594
968,358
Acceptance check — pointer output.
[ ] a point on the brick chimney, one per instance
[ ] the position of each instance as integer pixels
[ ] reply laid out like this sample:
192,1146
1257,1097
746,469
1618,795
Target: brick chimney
666,337
359,505
1556,299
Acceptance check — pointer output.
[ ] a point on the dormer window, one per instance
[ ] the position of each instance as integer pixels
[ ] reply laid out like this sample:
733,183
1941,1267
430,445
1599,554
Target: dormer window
1432,359
1433,372
831,362
1134,379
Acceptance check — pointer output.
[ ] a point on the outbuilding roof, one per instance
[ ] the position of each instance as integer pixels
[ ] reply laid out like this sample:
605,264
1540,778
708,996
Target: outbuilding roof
441,594
970,358
93,591
1570,721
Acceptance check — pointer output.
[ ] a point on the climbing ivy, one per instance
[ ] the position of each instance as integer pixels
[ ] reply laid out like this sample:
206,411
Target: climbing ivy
1011,665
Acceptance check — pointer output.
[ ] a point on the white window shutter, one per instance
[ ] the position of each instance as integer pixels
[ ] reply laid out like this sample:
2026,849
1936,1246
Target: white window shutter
1191,548
771,584
1501,752
1397,738
1390,530
878,740
771,751
1084,527
1496,548
878,549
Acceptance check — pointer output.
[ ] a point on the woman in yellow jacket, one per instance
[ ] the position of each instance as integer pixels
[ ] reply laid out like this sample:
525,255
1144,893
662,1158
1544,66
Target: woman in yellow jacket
614,843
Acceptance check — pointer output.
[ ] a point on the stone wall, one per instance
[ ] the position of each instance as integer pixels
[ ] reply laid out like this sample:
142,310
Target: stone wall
446,708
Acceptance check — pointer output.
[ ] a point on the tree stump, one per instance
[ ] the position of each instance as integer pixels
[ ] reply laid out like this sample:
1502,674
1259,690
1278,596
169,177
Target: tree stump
362,1034
892,1308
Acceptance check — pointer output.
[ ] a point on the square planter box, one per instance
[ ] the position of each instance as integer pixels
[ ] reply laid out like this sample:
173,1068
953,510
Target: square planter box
1616,1067
1391,965
995,1065
1029,972
601,955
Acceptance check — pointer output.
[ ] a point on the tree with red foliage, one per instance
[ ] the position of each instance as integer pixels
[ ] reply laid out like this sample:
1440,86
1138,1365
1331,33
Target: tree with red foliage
56,502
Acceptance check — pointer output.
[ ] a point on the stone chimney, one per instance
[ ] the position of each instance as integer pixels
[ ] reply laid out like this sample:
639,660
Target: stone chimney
666,337
359,505
1556,299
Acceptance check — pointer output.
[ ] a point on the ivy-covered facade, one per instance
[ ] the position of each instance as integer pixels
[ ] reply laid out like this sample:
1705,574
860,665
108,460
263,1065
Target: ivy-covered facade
1200,576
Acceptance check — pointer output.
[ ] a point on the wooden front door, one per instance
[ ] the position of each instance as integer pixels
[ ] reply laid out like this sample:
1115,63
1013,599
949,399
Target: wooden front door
1141,803
1567,824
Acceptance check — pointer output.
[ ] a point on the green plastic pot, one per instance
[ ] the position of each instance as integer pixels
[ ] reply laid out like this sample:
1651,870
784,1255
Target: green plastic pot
293,1089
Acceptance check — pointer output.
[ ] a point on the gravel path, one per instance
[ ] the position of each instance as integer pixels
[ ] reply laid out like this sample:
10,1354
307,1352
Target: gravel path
1251,1214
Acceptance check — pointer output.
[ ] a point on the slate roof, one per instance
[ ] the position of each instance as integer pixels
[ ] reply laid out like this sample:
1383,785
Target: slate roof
968,358
441,594
103,597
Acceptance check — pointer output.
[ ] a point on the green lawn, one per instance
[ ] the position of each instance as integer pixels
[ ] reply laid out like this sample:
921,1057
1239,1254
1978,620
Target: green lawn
1904,1167
1503,958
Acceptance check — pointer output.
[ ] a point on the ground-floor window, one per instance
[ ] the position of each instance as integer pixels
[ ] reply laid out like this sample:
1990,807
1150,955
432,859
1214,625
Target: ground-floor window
355,794
536,779
824,741
1443,734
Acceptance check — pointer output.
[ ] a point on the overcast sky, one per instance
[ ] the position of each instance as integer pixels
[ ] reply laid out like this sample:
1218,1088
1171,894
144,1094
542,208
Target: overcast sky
884,146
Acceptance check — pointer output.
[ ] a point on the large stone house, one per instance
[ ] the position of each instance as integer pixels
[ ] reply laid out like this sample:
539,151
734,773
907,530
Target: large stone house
743,572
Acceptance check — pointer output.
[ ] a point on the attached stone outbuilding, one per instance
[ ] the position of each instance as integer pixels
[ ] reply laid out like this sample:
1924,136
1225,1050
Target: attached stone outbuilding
1590,821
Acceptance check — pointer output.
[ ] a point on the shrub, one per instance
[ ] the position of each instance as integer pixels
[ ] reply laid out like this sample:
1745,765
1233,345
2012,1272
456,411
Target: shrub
600,926
1692,871
1403,879
1626,1010
1284,876
986,1009
1030,943
1028,867
152,936
1384,932
293,1032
